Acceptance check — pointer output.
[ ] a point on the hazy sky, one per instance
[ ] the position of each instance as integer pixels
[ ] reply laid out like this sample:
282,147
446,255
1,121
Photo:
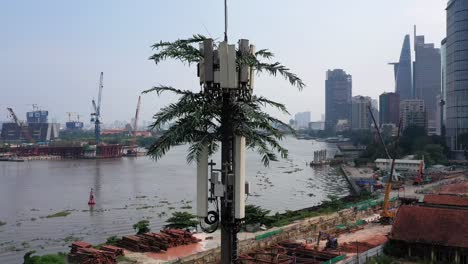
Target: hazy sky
51,52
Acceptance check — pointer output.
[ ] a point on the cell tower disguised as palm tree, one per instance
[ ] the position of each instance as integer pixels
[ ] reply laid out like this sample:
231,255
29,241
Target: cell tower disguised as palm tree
224,112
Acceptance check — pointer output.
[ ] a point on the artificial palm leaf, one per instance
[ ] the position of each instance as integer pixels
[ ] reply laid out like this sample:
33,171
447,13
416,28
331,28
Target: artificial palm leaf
196,117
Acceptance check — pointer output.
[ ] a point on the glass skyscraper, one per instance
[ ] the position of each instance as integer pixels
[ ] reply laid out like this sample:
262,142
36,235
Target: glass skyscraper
389,108
427,67
402,71
338,90
456,72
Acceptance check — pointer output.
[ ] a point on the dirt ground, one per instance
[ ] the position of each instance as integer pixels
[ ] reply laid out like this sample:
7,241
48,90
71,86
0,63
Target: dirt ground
371,236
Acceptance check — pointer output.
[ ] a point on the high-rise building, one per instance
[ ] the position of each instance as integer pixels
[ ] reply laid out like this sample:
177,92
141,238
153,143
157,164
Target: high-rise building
37,129
389,108
338,90
402,71
456,72
443,77
302,119
361,118
413,113
426,78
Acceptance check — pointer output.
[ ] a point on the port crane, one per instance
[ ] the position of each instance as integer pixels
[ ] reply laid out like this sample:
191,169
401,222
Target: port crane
23,127
386,215
133,151
96,115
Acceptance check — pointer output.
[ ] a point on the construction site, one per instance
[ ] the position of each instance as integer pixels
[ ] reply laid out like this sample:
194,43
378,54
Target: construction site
37,138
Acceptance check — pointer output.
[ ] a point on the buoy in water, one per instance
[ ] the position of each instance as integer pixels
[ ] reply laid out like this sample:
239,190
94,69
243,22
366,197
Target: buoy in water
91,198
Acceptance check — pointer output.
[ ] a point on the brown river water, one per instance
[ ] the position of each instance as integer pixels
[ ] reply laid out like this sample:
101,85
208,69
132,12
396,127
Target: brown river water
131,189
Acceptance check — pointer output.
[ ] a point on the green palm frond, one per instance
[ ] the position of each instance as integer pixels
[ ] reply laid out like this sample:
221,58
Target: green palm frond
162,88
264,53
196,117
181,49
274,104
275,68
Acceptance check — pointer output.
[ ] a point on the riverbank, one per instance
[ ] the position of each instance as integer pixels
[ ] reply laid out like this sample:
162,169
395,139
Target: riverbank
132,189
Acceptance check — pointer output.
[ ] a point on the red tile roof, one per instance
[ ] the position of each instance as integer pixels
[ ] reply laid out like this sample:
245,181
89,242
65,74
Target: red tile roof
446,200
431,225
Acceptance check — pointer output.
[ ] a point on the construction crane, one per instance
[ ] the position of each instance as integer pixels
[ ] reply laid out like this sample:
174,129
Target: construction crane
132,151
419,180
386,216
96,116
23,128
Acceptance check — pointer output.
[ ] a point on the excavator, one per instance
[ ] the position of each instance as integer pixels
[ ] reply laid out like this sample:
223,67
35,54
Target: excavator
332,242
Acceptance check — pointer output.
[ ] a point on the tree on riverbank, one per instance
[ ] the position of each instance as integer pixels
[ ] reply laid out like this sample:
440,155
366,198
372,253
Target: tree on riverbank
181,220
142,227
59,258
196,117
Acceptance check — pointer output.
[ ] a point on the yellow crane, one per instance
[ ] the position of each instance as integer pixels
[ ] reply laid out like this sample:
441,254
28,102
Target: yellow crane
386,215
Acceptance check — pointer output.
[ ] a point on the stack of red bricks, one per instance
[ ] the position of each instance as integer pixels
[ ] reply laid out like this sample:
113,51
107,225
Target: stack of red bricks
156,242
83,253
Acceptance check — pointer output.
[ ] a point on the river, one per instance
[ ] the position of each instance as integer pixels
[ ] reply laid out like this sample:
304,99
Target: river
131,189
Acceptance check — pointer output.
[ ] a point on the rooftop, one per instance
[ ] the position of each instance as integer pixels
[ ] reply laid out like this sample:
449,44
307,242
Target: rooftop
446,200
431,225
398,161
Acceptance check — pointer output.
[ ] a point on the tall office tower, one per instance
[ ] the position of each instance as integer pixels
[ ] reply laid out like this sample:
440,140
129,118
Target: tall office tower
426,78
443,78
413,113
338,90
456,72
361,119
389,108
302,119
402,71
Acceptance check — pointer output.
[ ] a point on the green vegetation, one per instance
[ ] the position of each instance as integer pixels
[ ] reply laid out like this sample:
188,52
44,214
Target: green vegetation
186,207
76,137
112,240
255,214
142,227
414,141
384,259
59,258
181,220
59,214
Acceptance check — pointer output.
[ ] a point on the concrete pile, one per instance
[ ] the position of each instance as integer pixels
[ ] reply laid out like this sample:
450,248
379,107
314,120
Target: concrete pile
156,242
83,253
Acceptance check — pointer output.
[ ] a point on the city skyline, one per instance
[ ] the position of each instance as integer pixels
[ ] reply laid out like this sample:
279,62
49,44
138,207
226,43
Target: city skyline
68,56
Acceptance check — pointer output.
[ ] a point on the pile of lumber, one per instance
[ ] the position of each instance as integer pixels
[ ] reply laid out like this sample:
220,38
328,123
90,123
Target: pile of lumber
156,242
83,253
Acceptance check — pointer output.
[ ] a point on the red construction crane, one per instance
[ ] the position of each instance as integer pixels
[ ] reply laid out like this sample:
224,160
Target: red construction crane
132,151
419,180
23,128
